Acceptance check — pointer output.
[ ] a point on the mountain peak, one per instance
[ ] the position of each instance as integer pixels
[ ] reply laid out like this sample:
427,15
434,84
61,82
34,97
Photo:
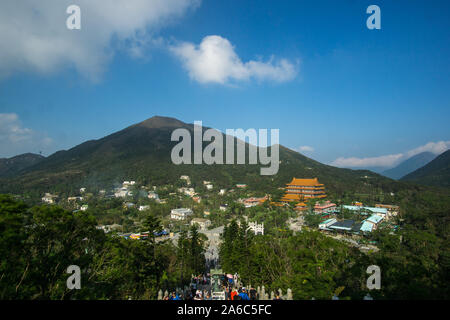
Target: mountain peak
157,122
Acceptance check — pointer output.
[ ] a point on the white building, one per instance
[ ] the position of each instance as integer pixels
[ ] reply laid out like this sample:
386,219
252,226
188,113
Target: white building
84,207
128,183
202,223
49,198
109,227
187,191
122,193
82,190
325,224
222,191
256,228
153,195
209,186
75,199
180,213
186,178
143,208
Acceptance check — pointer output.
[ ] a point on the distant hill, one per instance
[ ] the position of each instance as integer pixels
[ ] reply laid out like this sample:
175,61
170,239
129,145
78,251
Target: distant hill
142,151
409,165
435,173
12,166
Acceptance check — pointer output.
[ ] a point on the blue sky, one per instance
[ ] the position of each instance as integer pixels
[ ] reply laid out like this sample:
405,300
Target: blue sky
366,97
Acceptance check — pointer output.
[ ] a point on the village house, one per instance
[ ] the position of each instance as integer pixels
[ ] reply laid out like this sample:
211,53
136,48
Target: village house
241,186
128,205
128,183
252,202
209,186
82,190
70,199
84,207
186,178
143,208
49,198
123,192
153,195
202,223
109,227
180,213
187,191
222,191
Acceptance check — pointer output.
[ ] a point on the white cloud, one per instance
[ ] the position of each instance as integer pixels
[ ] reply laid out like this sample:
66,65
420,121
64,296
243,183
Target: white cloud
306,149
34,36
382,161
391,160
215,60
15,139
433,147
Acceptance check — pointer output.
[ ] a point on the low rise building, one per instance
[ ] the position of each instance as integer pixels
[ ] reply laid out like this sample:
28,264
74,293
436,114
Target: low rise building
109,227
186,178
251,202
71,199
49,198
180,213
143,208
366,210
324,207
371,223
202,223
123,192
153,195
187,191
325,224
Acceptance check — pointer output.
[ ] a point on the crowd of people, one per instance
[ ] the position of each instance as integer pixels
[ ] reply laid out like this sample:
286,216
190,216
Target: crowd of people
202,287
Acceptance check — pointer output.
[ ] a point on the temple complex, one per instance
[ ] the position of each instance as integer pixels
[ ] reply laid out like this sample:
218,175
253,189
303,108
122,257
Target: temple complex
300,190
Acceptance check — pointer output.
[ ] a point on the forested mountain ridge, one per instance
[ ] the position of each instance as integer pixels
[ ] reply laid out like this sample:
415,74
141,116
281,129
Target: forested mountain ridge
14,165
142,151
435,173
409,165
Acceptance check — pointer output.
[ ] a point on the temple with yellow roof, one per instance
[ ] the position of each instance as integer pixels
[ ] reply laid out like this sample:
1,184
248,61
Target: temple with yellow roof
300,190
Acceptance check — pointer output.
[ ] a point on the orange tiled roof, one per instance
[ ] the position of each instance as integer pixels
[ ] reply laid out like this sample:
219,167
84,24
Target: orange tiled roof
290,196
305,182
